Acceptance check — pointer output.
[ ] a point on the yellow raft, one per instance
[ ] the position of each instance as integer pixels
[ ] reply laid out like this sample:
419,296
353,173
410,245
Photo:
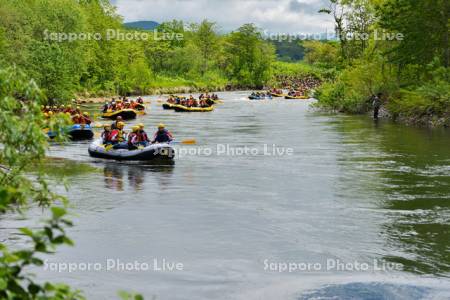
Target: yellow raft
296,97
169,105
181,108
277,95
126,114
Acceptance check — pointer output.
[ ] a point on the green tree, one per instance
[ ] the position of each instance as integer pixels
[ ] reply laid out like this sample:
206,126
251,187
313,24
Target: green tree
325,54
206,40
24,144
425,26
249,57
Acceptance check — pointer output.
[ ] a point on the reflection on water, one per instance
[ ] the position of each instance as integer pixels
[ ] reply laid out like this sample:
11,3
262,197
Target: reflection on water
409,170
114,175
418,200
365,291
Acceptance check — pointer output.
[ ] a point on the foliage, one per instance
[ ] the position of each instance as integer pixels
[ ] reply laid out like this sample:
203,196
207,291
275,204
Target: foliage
412,73
23,142
324,54
354,86
288,51
99,60
425,26
249,57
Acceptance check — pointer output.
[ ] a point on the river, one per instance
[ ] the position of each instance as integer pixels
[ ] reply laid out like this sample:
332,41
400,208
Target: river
352,208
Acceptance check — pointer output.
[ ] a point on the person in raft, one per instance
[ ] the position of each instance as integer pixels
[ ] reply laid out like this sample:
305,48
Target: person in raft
142,136
117,121
162,135
133,138
106,135
118,137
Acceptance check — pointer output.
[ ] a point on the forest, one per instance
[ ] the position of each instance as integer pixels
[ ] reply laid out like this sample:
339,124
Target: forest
201,59
405,56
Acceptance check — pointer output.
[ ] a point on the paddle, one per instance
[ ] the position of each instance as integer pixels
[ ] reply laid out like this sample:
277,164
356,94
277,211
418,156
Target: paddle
185,142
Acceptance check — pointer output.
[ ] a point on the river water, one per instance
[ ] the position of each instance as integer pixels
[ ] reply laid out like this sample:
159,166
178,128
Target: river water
352,208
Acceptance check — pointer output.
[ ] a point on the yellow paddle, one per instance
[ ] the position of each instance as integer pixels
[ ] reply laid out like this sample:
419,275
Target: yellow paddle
188,142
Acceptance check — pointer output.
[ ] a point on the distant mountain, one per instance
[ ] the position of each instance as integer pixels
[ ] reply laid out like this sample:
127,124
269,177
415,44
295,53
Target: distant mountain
144,25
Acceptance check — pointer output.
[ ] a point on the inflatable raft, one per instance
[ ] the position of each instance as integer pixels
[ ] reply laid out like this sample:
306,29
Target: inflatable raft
80,132
277,95
260,98
140,107
126,114
77,132
168,106
296,97
149,153
181,108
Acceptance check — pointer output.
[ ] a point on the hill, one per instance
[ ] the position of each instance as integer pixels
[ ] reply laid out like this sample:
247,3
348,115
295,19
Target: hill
144,25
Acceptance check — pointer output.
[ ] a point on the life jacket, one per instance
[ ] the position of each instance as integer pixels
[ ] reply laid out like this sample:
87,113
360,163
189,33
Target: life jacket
106,136
133,138
77,120
87,120
117,135
142,136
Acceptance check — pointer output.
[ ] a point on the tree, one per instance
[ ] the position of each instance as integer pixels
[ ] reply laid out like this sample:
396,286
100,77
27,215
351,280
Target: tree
321,53
249,56
206,40
425,26
24,144
353,20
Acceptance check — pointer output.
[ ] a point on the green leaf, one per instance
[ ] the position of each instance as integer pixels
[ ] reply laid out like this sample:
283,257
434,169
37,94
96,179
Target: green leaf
27,231
3,284
58,212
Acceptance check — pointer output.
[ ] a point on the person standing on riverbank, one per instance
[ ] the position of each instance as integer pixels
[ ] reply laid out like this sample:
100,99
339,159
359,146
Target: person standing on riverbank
376,103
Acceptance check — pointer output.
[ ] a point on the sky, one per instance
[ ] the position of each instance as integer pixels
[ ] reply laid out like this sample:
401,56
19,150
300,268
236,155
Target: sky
275,16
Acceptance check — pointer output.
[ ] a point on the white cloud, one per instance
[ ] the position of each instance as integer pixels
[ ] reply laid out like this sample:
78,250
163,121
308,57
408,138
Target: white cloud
284,16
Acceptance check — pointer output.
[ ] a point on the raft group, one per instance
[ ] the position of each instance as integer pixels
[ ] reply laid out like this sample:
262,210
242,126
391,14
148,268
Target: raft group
119,144
204,103
81,121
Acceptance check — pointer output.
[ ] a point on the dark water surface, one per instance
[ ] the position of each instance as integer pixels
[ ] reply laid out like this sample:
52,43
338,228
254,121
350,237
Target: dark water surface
353,193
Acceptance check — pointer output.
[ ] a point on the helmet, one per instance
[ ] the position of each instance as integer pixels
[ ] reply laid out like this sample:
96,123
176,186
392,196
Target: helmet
86,114
50,113
55,107
62,106
119,118
135,128
107,126
68,113
78,107
161,125
69,106
120,125
47,107
141,125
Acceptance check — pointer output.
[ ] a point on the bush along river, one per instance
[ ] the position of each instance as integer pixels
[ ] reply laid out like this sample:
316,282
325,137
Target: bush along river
275,201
